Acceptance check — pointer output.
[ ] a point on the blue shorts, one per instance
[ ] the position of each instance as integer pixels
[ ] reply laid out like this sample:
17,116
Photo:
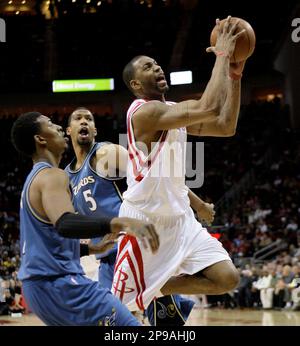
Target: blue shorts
74,300
106,270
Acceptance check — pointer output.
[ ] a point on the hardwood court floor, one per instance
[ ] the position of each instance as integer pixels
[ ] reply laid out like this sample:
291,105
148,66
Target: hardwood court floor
245,317
202,317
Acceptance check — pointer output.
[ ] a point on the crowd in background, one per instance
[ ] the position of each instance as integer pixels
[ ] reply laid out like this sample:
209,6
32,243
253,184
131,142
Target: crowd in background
275,284
261,214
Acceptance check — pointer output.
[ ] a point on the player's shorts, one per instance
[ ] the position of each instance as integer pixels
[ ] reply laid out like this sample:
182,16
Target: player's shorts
106,270
171,310
74,300
185,248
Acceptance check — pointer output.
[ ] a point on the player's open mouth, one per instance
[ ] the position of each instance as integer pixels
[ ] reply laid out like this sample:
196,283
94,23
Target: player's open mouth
161,80
84,132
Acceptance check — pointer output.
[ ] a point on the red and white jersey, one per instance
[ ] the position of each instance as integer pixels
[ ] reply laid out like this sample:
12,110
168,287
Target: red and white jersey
156,181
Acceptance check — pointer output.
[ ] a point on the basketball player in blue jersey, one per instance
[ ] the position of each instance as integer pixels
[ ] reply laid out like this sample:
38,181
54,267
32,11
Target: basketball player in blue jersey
93,175
93,182
53,281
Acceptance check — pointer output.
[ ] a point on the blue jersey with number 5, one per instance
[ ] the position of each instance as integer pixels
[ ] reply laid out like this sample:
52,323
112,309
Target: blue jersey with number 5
93,194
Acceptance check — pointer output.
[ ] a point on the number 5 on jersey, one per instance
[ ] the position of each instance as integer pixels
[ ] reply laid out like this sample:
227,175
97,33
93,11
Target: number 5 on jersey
89,199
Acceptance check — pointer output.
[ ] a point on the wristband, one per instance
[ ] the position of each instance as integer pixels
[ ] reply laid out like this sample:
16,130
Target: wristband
235,76
221,53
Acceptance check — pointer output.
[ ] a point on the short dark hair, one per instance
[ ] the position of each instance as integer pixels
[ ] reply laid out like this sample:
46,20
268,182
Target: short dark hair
23,131
75,110
128,72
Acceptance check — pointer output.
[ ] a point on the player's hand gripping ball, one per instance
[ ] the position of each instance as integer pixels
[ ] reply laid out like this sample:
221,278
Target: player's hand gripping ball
245,43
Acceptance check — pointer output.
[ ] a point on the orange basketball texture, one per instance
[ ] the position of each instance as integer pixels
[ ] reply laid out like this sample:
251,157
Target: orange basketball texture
245,44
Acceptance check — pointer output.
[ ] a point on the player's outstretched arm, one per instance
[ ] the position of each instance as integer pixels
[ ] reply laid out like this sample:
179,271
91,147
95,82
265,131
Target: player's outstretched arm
229,98
225,124
54,189
145,231
155,115
137,228
53,186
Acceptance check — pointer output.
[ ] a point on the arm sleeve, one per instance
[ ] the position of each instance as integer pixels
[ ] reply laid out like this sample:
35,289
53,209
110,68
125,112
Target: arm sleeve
77,226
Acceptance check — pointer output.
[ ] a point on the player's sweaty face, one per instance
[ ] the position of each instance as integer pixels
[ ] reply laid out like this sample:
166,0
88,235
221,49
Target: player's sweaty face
82,127
151,76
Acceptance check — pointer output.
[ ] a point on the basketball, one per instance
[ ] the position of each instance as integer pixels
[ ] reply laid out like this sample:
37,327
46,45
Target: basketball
245,44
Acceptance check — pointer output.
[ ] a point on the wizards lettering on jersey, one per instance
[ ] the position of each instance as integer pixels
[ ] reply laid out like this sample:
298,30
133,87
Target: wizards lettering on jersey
83,182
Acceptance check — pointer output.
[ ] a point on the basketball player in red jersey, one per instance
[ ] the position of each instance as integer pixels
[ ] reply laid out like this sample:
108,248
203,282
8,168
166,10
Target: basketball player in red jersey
189,260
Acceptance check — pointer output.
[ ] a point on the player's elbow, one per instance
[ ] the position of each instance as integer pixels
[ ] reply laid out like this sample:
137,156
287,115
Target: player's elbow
225,130
213,111
229,132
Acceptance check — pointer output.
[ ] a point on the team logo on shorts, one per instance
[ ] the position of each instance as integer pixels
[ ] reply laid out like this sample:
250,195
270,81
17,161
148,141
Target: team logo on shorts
120,285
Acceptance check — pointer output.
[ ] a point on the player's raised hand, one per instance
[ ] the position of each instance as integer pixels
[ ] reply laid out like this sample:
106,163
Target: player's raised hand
142,230
226,37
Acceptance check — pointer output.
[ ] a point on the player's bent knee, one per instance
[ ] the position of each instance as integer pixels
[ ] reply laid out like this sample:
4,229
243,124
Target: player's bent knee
230,280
